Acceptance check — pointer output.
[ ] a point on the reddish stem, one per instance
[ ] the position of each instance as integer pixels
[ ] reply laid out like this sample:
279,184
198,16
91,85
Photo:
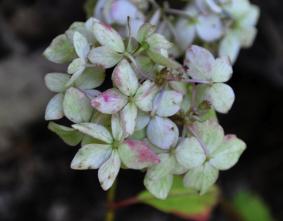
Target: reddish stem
124,203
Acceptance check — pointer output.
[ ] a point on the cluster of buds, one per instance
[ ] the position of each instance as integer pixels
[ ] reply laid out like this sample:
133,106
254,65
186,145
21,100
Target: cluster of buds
157,115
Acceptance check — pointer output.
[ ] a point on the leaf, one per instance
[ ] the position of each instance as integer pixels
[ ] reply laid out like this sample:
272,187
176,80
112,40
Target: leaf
137,155
60,50
95,130
108,172
56,82
251,207
91,156
54,110
108,37
125,78
105,57
183,202
162,132
162,60
77,106
69,135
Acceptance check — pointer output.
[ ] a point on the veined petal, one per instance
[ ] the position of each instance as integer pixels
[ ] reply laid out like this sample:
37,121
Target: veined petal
91,156
221,70
54,110
169,104
94,130
201,178
116,127
125,78
128,118
200,62
103,56
209,27
137,155
110,101
108,172
221,97
81,45
228,153
145,95
162,132
108,37
190,154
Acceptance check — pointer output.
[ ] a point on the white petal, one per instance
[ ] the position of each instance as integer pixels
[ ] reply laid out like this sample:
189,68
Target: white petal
201,178
190,154
169,103
137,155
103,56
228,153
222,70
230,46
116,127
200,62
128,118
54,110
145,95
110,101
108,172
185,33
162,132
77,106
221,97
55,82
125,78
81,45
91,156
142,120
94,130
209,27
107,36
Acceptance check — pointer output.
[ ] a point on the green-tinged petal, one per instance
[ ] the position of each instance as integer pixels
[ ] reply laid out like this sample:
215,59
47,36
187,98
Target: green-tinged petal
94,130
69,135
157,42
142,120
77,106
81,45
108,172
105,57
55,82
107,36
137,155
77,65
221,96
210,133
125,78
228,153
91,156
110,101
54,109
116,127
128,118
190,154
169,104
60,50
91,78
201,178
145,95
145,31
162,132
74,77
251,17
222,70
160,188
158,58
200,62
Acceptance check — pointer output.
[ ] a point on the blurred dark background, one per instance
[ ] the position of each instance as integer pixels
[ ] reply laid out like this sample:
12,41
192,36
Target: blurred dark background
36,183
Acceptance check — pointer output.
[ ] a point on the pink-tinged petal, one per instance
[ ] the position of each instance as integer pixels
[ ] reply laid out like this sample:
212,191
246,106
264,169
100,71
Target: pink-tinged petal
128,118
145,95
209,28
137,155
199,61
109,102
125,78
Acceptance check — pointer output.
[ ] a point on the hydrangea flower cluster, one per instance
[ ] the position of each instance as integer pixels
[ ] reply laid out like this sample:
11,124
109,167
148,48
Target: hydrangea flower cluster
156,116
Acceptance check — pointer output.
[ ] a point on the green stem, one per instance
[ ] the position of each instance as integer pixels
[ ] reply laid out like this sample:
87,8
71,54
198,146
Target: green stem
110,214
